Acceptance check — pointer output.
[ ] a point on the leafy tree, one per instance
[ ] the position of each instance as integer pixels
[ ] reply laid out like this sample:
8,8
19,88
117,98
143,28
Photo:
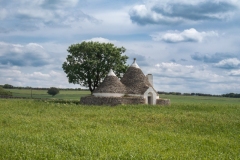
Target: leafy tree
7,86
53,91
89,62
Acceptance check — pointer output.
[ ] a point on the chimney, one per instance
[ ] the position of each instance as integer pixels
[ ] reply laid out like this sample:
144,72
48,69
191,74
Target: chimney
150,79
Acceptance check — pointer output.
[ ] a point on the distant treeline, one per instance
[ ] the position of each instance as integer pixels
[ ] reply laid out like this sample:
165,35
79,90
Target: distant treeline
187,94
231,95
8,86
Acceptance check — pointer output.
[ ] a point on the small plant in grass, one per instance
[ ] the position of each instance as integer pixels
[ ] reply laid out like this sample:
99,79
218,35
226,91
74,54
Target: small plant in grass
53,91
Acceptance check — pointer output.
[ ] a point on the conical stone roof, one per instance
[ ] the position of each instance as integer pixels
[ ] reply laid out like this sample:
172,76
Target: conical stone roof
111,84
134,80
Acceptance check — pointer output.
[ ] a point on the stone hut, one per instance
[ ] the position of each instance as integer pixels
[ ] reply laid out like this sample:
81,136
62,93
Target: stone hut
133,88
110,87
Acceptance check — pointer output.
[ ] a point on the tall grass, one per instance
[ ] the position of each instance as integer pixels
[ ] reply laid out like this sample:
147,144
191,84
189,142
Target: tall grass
38,130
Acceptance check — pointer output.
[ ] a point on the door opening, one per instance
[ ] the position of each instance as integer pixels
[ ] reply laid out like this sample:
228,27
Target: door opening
150,98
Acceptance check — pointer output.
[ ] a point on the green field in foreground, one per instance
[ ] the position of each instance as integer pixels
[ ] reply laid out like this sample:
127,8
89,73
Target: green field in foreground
31,129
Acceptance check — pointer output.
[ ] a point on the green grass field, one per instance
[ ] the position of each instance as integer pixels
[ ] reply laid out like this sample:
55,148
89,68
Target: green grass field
64,94
180,99
191,128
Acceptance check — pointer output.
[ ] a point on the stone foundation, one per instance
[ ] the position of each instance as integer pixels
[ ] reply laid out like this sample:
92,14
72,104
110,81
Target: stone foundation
111,101
163,102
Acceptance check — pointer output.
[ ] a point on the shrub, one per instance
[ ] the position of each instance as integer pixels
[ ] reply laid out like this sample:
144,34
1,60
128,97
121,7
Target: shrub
53,91
5,93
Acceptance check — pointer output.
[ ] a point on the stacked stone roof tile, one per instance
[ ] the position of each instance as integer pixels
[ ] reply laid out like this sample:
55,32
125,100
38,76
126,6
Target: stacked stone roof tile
111,84
135,81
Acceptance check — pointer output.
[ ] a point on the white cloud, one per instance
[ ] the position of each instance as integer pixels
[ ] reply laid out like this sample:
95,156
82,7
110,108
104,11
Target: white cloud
142,15
31,54
99,39
171,70
55,74
47,3
34,46
165,12
228,63
58,3
3,13
235,73
188,35
10,73
168,65
38,75
141,9
186,72
169,76
35,15
51,78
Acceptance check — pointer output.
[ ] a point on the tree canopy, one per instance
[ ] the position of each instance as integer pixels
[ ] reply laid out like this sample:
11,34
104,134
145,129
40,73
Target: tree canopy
7,86
53,91
89,62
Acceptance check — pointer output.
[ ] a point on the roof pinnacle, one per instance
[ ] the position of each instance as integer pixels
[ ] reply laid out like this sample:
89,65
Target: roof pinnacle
134,64
111,73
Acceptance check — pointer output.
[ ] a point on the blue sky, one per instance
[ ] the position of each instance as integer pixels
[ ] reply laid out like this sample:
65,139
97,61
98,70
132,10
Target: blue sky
188,46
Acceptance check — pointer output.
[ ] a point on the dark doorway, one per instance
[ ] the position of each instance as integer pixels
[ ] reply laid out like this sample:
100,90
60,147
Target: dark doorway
149,100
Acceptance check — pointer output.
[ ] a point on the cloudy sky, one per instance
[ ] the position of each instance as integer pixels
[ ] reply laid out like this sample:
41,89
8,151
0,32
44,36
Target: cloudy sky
188,46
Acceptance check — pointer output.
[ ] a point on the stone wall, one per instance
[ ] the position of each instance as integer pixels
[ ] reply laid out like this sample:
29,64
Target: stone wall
163,102
112,101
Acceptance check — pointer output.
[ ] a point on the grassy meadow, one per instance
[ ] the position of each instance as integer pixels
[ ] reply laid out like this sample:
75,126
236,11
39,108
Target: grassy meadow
63,94
192,127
